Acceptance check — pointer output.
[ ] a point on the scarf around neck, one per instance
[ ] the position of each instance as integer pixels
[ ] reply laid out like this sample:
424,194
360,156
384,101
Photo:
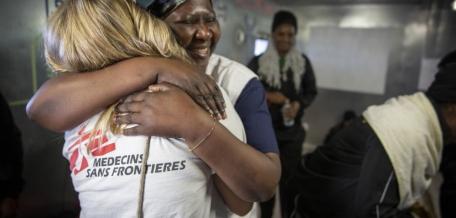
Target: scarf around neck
269,67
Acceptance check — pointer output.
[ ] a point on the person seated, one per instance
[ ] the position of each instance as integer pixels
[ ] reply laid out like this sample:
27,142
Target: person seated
382,163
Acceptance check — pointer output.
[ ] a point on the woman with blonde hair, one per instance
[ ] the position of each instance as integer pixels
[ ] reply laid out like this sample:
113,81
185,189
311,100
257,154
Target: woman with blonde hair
108,169
250,169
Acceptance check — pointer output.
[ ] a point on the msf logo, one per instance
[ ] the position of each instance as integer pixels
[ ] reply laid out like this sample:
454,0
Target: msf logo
95,143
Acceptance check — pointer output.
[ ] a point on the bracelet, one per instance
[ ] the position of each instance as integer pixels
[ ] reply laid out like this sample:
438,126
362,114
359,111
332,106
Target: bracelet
205,137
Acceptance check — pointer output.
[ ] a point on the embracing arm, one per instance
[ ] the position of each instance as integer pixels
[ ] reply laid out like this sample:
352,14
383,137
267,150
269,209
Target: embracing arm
66,101
251,173
254,113
231,200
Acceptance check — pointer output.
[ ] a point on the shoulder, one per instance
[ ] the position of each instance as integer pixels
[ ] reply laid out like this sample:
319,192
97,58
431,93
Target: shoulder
254,63
233,122
219,65
230,75
253,110
252,98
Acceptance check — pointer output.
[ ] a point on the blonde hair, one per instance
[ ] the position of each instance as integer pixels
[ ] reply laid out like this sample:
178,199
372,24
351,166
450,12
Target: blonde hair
87,35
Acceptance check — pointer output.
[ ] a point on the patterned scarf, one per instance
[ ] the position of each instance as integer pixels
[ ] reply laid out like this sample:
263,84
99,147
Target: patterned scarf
269,69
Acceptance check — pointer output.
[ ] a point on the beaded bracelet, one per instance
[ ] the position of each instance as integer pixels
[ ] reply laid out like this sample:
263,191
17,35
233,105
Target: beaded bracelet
205,137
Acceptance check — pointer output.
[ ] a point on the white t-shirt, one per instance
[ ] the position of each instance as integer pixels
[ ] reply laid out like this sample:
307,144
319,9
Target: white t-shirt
178,183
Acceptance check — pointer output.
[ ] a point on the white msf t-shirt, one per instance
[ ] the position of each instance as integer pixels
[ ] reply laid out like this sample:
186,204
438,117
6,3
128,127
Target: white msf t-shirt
107,174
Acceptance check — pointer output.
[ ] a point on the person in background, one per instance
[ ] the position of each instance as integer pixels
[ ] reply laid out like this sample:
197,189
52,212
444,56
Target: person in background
251,170
347,118
383,163
11,182
289,79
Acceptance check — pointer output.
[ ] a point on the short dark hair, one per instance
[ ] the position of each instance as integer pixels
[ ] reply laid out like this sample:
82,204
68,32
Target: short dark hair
443,88
284,17
450,58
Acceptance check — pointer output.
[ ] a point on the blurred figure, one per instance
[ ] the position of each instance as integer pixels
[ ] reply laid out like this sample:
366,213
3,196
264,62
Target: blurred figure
289,80
348,117
448,169
11,181
448,189
384,162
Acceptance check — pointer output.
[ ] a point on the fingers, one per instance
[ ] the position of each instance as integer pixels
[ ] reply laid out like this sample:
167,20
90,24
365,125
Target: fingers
127,118
135,97
137,130
130,107
161,87
211,98
200,99
218,99
219,112
140,96
132,102
210,102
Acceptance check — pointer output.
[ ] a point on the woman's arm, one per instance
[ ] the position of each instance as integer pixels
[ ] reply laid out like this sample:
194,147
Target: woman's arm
233,202
66,101
249,173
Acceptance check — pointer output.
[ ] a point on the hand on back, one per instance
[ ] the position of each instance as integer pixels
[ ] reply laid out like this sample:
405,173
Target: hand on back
163,110
201,87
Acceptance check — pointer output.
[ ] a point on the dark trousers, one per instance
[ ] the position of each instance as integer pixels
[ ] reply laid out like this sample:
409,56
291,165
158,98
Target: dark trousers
290,144
350,177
